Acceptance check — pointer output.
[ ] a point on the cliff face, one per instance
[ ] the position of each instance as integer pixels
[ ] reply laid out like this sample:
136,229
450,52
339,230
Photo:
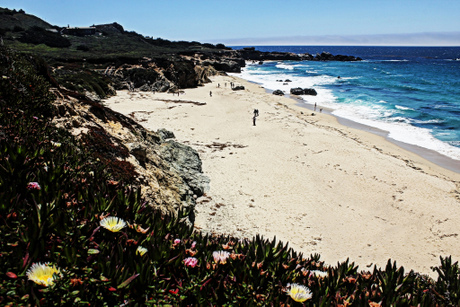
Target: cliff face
159,75
169,173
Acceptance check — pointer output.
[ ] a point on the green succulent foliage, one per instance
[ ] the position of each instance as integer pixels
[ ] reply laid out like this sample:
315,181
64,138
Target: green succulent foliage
448,284
60,223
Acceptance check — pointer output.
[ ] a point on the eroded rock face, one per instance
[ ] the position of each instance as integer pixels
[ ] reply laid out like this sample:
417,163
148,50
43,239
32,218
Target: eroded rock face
160,75
186,161
168,173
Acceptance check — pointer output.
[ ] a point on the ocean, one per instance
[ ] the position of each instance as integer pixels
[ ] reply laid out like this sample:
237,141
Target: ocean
413,93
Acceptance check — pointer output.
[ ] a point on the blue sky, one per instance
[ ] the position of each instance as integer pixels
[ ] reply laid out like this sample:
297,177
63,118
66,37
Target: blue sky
269,22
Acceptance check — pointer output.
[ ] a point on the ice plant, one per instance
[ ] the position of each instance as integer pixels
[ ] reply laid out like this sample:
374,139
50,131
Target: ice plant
318,274
141,251
191,261
220,256
113,223
176,241
299,293
42,274
33,186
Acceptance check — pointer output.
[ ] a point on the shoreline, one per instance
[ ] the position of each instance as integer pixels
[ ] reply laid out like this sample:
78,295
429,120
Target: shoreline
308,180
432,156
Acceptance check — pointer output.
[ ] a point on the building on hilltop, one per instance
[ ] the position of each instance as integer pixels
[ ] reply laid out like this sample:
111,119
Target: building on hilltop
79,31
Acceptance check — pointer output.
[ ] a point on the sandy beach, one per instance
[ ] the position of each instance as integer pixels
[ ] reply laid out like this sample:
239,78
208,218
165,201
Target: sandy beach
306,179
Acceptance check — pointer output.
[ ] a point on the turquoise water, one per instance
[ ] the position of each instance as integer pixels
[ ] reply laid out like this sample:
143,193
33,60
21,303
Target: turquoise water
411,92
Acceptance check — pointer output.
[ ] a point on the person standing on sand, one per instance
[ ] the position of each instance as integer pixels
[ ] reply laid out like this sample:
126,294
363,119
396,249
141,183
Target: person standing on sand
210,94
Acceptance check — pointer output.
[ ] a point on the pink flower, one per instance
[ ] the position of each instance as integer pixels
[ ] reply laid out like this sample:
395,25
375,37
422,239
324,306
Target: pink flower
33,186
193,244
176,241
191,261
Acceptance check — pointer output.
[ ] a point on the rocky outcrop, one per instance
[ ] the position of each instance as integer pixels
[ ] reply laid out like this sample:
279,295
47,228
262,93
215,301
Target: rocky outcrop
186,161
159,75
226,65
303,91
278,92
326,56
251,54
169,173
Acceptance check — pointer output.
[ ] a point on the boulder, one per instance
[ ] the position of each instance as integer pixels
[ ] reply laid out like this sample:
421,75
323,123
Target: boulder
303,91
310,91
186,161
238,88
278,92
296,91
165,134
161,86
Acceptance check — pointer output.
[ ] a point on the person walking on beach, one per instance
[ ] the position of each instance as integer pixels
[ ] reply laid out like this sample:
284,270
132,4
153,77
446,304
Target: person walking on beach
315,107
210,94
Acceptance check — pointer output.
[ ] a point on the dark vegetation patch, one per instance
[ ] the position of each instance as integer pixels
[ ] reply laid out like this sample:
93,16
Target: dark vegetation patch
37,35
80,80
139,76
109,151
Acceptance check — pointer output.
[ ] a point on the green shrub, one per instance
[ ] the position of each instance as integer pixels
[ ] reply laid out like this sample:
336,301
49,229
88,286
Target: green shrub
37,35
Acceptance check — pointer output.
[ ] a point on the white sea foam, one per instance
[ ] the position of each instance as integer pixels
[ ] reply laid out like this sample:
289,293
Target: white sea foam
402,108
284,66
404,60
398,128
401,131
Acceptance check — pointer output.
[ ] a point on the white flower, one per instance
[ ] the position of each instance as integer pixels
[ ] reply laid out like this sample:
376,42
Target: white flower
113,223
56,144
141,250
220,256
299,293
42,274
318,274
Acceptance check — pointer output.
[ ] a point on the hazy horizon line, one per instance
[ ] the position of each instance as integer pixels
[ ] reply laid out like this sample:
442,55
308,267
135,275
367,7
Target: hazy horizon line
421,39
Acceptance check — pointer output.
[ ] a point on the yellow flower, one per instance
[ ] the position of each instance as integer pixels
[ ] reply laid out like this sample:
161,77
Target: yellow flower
113,223
42,274
141,250
299,293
